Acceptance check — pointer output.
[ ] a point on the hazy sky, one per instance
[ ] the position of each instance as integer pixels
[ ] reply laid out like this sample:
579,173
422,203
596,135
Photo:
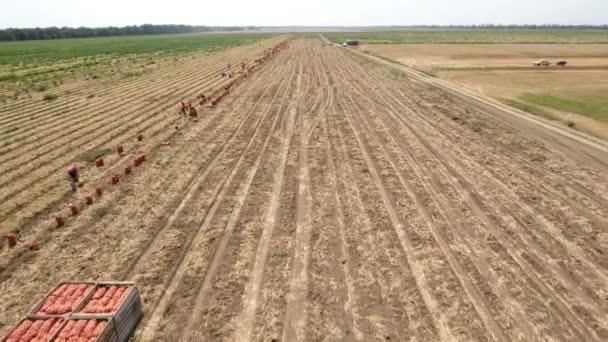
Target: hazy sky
31,13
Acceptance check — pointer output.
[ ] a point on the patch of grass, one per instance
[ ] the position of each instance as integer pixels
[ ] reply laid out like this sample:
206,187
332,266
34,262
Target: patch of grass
41,87
8,77
132,74
50,97
526,107
593,107
398,74
50,51
91,156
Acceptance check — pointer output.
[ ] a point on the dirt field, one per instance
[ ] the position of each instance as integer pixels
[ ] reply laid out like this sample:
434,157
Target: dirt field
504,71
454,56
330,198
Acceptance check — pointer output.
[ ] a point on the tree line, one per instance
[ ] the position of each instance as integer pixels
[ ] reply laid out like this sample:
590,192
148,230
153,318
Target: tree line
19,34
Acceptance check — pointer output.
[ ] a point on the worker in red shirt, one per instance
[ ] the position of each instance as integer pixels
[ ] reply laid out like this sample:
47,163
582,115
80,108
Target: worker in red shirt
73,178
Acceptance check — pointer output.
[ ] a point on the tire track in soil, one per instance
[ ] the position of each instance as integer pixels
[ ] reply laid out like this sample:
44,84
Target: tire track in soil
526,269
295,315
244,323
380,262
275,280
507,187
204,173
388,262
497,235
470,289
246,319
436,196
440,202
531,275
181,268
223,252
520,176
391,306
330,292
195,183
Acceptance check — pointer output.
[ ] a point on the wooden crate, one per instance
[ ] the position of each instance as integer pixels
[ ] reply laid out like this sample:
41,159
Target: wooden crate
107,335
128,315
53,333
38,306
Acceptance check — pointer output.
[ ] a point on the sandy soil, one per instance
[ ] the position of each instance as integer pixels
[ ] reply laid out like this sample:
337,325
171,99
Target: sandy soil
332,199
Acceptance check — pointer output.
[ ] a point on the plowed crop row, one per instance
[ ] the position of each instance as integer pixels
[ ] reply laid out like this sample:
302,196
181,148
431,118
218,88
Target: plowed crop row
331,198
50,138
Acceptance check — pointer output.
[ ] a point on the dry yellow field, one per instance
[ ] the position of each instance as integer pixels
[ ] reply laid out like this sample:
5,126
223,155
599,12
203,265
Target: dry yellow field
505,71
442,56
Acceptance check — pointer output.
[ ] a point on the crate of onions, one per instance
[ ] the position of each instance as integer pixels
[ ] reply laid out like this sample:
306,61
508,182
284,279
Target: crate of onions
86,330
64,299
34,329
82,311
119,300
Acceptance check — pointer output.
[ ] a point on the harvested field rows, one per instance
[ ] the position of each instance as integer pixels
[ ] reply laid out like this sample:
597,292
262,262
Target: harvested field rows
73,127
329,198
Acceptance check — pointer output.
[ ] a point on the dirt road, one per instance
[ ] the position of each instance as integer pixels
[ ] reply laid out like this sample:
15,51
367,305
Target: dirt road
331,198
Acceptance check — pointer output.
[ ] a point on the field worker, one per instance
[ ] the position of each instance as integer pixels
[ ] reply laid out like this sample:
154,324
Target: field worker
183,110
72,172
193,112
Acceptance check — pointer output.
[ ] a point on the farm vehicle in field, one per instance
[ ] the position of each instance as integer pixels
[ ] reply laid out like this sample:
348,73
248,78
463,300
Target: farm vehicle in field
349,42
542,62
546,63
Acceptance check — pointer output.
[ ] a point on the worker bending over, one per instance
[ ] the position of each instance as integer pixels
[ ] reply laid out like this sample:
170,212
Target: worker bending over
73,178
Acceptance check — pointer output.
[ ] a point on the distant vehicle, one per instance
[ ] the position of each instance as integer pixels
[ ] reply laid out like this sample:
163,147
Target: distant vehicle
350,43
561,63
542,62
